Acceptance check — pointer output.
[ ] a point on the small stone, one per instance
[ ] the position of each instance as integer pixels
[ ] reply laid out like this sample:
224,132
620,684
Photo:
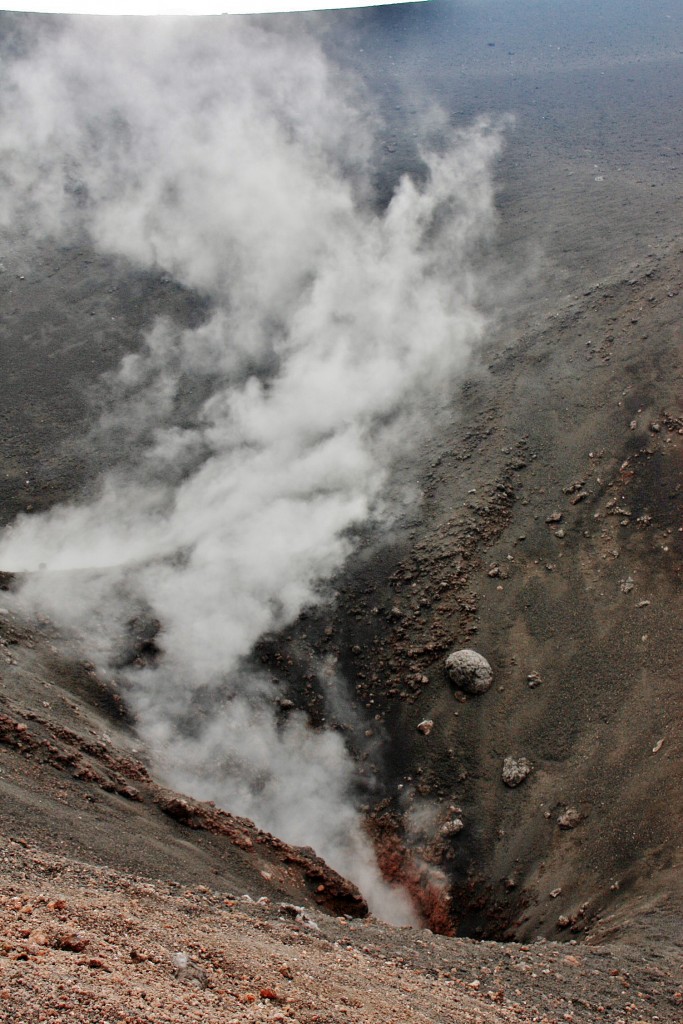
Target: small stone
555,893
95,963
554,517
627,585
73,942
533,680
569,818
425,727
658,746
186,971
470,671
453,827
515,771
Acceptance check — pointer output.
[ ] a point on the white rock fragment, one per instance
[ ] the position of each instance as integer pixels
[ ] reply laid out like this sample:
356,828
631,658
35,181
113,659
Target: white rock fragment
452,827
515,771
425,727
569,818
298,914
469,671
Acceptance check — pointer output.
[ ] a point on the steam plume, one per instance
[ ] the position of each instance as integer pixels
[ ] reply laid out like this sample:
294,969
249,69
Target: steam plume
238,161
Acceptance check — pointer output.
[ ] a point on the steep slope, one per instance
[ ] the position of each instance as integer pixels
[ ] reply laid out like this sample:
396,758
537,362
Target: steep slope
550,541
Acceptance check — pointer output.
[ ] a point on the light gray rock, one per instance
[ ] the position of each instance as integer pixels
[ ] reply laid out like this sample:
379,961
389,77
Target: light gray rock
452,827
516,770
469,671
569,818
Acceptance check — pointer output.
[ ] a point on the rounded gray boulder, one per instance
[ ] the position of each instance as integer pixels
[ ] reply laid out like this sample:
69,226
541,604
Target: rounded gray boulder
469,671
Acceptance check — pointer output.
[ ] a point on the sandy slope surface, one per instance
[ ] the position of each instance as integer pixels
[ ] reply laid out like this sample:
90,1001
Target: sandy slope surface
121,901
83,943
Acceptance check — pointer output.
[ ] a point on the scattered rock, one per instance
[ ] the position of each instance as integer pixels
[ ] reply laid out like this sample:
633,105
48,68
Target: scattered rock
515,771
97,964
425,727
74,942
298,914
452,827
533,680
569,818
269,993
658,746
469,671
185,970
554,517
627,585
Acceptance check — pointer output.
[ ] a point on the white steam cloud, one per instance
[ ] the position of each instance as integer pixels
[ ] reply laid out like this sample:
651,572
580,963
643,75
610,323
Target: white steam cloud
238,161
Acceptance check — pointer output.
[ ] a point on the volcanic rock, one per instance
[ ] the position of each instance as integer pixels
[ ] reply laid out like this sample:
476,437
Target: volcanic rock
452,827
569,818
515,771
469,671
